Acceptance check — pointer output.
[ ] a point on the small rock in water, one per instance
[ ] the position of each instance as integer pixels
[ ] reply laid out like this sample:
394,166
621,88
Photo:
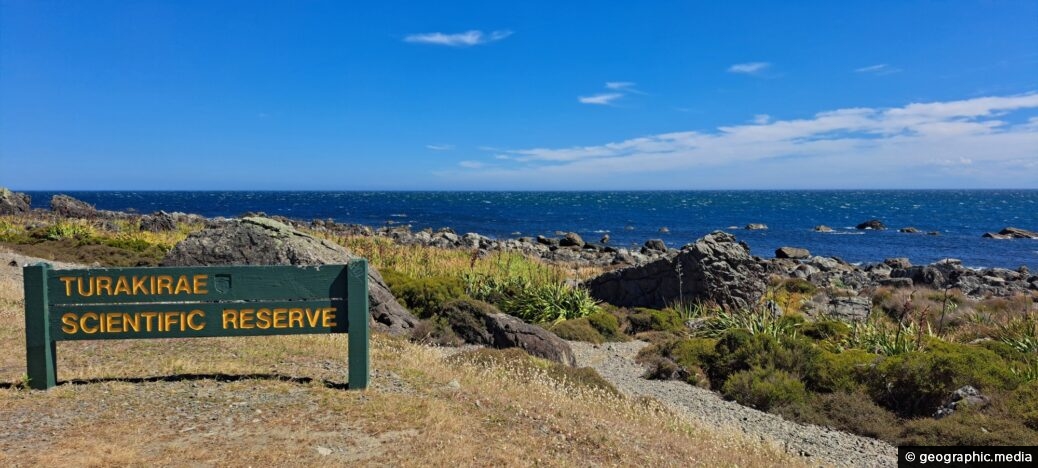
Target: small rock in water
664,230
873,224
908,230
605,239
756,227
628,228
823,228
933,233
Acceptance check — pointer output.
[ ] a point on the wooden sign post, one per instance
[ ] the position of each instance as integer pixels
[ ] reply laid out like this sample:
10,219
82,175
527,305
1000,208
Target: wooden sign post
184,302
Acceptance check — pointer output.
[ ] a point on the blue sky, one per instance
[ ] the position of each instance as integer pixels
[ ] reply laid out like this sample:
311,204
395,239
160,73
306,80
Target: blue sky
523,95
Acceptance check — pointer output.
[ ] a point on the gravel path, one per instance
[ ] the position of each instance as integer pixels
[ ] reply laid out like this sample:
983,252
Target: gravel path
615,362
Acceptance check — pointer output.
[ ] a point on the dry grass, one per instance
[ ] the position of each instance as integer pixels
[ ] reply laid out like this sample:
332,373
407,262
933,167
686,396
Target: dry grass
266,401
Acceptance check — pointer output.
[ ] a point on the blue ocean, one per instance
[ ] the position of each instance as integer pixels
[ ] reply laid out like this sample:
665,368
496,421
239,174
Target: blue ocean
630,218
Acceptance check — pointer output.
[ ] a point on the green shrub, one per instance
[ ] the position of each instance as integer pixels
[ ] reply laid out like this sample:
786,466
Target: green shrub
825,330
577,330
423,296
693,352
840,372
655,320
608,325
916,383
849,412
13,233
798,285
738,350
1023,402
967,427
764,388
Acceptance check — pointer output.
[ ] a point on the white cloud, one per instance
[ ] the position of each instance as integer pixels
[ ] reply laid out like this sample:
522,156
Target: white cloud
761,119
464,39
600,99
879,69
750,68
472,164
619,85
965,143
440,147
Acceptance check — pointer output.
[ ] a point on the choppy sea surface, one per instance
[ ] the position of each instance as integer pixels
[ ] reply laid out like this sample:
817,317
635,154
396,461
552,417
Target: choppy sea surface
960,217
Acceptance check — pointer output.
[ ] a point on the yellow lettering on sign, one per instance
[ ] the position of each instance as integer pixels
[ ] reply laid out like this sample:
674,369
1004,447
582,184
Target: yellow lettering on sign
147,319
263,318
83,323
328,317
312,315
132,321
230,317
245,318
68,284
280,316
163,282
140,284
68,323
103,283
295,316
200,284
122,286
182,285
191,320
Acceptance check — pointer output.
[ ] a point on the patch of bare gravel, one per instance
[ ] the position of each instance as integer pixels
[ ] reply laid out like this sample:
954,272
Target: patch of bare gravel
615,362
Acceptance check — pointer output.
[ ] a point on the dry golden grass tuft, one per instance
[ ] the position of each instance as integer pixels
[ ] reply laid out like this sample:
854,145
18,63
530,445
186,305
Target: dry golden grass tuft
280,401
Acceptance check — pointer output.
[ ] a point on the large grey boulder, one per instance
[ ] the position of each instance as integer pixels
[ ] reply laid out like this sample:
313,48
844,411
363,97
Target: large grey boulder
67,206
12,203
262,241
479,323
158,222
715,268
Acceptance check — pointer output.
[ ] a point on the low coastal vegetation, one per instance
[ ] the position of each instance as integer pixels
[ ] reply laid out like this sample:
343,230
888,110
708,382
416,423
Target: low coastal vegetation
926,366
217,395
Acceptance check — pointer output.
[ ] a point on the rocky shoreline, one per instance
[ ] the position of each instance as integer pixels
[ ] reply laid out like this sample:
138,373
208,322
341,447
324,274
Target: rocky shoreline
570,249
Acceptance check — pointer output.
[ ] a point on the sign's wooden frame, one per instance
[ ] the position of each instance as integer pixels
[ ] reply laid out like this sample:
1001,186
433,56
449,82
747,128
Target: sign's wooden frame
184,302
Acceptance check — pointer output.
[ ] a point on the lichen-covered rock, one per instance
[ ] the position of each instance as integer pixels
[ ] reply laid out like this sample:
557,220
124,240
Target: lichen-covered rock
792,252
715,268
571,239
158,222
12,203
479,323
262,241
67,206
510,332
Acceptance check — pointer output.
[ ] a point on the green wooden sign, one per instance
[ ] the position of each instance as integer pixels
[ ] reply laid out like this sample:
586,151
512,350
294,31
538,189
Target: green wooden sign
184,302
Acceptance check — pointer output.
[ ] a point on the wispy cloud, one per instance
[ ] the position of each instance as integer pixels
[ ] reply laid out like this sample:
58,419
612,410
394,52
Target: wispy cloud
472,164
879,69
749,68
602,99
618,85
463,39
615,90
935,144
440,147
